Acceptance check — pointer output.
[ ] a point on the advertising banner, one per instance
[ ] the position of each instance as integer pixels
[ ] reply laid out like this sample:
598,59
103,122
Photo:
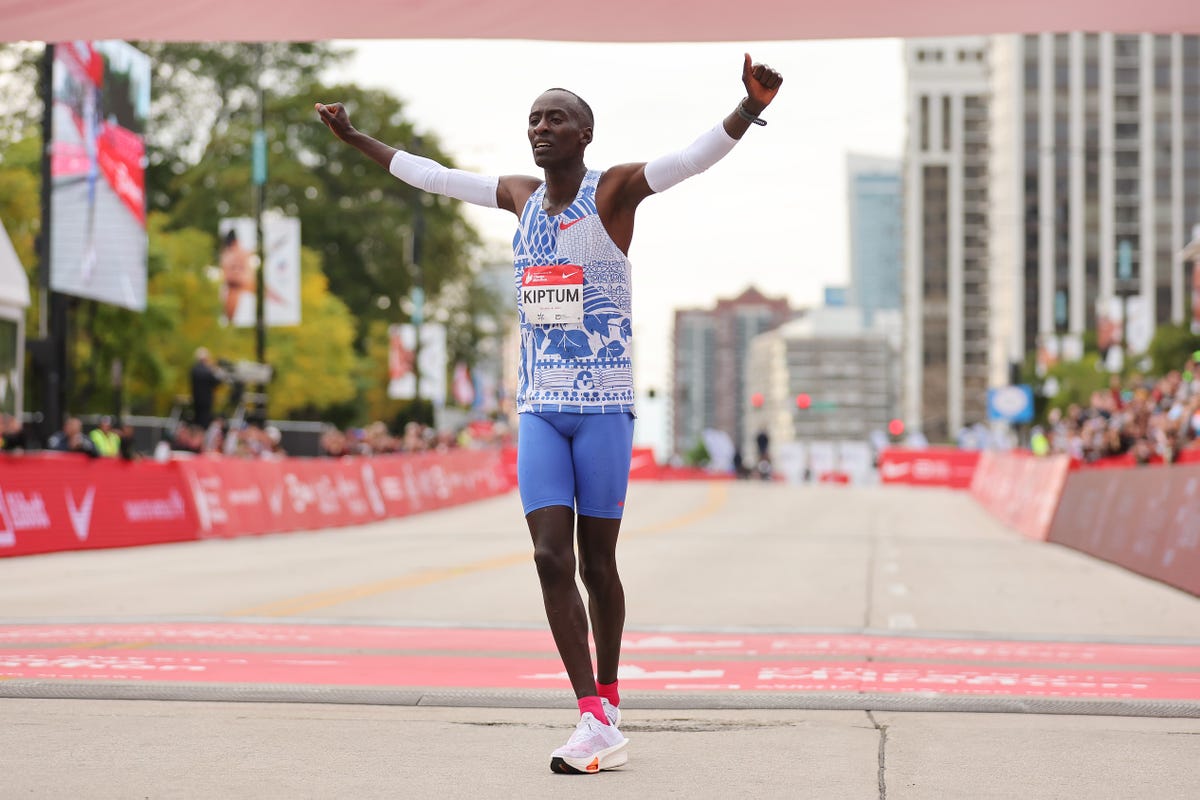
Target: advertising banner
402,347
1011,404
71,502
238,262
933,466
101,99
235,497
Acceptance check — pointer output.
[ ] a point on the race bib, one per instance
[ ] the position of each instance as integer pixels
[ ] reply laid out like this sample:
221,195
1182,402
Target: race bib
553,295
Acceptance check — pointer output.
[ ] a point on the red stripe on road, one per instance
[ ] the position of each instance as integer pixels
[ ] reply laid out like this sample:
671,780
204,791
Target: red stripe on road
493,640
402,671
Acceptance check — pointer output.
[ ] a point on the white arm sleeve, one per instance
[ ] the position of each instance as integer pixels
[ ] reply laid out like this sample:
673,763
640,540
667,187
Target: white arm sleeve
427,174
665,171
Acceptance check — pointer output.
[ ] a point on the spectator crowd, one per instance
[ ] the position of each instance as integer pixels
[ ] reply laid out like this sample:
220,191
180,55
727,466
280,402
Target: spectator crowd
107,439
1146,420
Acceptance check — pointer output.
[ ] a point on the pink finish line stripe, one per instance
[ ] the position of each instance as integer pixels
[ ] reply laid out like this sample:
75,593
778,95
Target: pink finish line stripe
546,673
493,640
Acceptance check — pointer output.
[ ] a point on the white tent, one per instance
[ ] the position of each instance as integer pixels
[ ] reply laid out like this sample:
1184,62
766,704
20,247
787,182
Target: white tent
14,299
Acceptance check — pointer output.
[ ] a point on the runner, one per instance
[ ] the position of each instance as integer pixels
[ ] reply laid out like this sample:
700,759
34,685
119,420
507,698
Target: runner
575,386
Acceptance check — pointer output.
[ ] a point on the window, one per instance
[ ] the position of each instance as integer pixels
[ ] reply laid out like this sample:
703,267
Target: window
947,120
924,123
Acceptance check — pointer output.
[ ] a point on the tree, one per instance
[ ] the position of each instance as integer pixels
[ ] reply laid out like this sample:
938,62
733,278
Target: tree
201,89
20,207
360,223
361,219
1172,347
315,363
22,115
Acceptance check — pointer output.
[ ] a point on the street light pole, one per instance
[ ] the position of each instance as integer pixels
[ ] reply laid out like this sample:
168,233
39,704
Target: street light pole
258,176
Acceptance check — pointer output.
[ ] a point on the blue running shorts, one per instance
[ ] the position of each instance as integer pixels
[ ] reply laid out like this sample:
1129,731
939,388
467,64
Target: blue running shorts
580,461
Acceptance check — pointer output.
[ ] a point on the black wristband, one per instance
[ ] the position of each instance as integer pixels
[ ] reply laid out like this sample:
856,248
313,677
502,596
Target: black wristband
746,115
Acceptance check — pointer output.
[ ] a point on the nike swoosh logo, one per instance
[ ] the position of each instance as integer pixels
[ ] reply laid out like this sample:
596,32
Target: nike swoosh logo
562,226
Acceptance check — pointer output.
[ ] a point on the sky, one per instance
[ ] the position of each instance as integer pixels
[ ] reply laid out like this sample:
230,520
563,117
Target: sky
772,214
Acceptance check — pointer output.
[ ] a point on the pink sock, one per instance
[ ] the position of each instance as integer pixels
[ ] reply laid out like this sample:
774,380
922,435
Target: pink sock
592,704
609,692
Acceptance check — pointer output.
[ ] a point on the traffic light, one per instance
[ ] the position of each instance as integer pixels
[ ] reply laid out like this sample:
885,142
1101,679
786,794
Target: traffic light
896,427
803,401
756,400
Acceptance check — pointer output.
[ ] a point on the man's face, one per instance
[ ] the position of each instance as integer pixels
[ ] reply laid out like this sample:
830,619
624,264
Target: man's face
557,131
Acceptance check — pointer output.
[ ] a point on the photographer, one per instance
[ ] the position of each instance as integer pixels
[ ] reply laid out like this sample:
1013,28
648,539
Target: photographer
206,376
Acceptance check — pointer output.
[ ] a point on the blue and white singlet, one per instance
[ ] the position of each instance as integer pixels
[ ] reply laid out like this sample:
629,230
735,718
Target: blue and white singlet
576,368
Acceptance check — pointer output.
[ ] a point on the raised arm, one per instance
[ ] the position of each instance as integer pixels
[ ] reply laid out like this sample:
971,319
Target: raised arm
425,173
625,186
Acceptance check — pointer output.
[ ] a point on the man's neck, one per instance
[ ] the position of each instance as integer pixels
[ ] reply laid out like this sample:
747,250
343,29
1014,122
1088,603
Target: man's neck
562,184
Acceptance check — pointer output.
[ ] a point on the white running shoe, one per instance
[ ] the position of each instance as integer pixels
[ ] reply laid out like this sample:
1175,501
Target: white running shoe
593,746
612,712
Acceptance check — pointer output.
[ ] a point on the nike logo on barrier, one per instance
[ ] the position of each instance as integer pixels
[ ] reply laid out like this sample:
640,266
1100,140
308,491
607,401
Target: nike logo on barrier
562,226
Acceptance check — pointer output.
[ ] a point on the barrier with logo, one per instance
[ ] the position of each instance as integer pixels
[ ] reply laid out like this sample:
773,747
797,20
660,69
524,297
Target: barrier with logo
934,466
69,502
1021,490
643,466
65,502
236,498
1146,519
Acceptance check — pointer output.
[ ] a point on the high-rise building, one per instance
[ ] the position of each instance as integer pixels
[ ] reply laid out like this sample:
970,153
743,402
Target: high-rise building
712,349
1095,169
876,233
945,235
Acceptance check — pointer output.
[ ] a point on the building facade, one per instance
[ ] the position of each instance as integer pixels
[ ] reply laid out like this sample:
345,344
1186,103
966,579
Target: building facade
876,233
1095,164
848,374
946,288
711,350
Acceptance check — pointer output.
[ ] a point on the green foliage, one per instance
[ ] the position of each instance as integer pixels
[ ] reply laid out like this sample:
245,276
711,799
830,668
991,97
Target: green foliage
1172,347
20,208
22,115
201,89
314,363
360,218
1077,380
698,456
359,227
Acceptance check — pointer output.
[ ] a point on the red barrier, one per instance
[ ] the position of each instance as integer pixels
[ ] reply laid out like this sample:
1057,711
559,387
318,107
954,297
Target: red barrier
1146,519
643,466
935,466
50,503
236,498
71,502
1021,489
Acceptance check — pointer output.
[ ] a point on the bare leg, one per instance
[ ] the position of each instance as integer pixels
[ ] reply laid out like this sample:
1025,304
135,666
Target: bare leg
552,529
606,595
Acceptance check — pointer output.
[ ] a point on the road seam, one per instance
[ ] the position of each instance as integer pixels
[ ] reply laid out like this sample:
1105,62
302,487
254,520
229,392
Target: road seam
883,729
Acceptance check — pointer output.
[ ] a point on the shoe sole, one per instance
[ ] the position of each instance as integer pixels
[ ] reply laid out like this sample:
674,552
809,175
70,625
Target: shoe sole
609,758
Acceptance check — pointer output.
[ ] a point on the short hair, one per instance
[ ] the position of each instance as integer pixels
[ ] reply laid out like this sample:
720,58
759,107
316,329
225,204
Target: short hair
588,117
